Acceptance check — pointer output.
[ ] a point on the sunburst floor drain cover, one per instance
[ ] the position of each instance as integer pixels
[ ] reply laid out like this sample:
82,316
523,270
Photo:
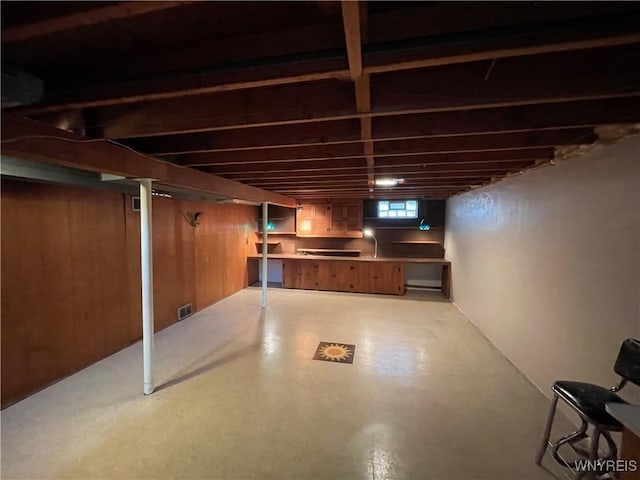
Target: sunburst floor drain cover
335,352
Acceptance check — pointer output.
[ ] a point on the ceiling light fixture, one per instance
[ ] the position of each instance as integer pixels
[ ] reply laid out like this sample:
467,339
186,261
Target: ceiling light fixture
388,182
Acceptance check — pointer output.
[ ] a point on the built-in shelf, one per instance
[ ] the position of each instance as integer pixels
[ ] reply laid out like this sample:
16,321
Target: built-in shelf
275,219
277,233
329,251
400,228
268,243
416,242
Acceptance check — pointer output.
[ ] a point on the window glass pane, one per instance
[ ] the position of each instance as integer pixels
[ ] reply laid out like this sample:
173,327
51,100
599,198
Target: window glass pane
397,209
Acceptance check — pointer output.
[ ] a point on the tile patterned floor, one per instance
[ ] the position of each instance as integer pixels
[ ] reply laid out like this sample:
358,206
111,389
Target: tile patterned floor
240,397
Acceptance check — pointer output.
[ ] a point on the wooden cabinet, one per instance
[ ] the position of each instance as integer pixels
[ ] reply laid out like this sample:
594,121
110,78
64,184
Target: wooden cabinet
301,274
339,276
344,276
381,277
335,219
313,219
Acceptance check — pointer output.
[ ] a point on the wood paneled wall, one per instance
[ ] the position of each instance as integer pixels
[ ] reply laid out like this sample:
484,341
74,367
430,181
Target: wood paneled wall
71,274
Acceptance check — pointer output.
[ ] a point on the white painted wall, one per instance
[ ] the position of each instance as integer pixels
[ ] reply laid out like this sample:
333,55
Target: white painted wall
547,264
274,271
423,274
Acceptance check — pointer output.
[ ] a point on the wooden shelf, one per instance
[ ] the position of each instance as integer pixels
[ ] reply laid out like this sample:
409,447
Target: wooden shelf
402,228
275,219
268,243
329,252
416,242
277,233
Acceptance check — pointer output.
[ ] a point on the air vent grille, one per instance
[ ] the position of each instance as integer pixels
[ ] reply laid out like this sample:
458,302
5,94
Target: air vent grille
184,311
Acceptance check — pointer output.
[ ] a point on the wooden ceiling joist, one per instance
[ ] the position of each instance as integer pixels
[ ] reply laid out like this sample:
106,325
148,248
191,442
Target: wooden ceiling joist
383,170
511,119
378,58
443,124
406,160
458,87
98,13
413,178
428,145
316,99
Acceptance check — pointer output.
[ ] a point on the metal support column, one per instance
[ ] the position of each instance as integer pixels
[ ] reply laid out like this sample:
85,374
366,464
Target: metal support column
146,251
265,247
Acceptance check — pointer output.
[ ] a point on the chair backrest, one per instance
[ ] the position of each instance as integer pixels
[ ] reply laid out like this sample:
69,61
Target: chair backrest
628,361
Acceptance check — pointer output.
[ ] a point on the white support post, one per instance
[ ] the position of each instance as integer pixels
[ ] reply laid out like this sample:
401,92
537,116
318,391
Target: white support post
265,247
146,250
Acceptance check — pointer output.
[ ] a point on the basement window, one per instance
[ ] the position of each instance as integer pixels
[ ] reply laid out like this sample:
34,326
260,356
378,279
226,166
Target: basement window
397,209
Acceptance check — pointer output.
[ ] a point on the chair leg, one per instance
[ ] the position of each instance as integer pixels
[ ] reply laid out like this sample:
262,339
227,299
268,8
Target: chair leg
593,453
576,436
547,430
595,442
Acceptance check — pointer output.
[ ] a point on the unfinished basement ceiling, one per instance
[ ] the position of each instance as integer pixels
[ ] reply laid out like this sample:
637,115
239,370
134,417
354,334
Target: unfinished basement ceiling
318,99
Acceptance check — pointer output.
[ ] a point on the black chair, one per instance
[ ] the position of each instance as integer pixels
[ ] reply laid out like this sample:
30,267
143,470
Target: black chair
588,401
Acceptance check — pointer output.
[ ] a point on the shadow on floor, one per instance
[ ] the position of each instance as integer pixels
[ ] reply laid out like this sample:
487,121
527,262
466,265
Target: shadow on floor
254,346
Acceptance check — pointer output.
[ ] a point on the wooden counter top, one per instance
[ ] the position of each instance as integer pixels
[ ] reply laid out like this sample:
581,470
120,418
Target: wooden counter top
293,256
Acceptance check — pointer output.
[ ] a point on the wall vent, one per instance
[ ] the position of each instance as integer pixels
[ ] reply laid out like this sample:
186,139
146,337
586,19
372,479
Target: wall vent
184,311
135,204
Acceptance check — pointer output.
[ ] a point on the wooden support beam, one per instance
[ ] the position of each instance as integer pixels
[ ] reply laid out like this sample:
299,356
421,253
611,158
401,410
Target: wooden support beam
513,83
351,22
24,138
190,77
82,17
192,84
363,105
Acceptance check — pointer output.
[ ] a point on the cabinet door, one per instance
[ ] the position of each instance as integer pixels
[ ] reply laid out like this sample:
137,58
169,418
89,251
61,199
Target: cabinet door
314,220
305,219
323,219
394,279
353,219
300,274
290,274
338,219
381,277
336,275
